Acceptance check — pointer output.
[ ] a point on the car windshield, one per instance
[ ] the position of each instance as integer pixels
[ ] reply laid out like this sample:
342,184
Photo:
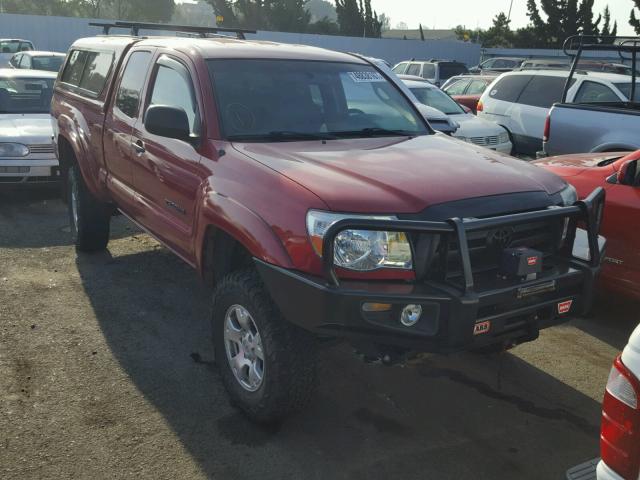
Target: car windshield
14,46
437,99
625,88
25,95
50,64
286,100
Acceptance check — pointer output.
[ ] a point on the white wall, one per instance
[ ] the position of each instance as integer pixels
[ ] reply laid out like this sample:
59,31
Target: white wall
58,33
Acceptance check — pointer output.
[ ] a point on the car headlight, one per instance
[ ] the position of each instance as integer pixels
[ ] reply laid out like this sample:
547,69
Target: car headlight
503,137
569,195
361,250
13,150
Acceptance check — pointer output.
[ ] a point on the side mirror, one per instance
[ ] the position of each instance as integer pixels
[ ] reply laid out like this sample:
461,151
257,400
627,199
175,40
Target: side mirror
166,121
628,172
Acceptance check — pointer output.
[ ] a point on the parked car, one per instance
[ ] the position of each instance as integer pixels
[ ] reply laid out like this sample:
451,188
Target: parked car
310,193
545,64
620,428
467,90
619,175
472,129
602,66
596,116
26,149
11,46
498,64
37,60
520,102
436,71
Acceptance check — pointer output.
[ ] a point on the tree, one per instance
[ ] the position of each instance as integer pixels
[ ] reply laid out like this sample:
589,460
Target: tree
385,22
358,19
607,30
421,33
633,20
224,8
586,24
499,35
288,16
555,20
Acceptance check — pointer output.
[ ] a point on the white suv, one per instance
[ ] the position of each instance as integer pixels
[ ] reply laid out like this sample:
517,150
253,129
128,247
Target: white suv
520,101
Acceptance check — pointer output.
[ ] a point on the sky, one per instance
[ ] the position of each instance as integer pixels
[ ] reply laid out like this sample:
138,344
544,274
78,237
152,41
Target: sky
477,13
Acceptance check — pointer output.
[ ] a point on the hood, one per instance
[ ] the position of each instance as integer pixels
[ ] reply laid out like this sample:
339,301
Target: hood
397,175
571,165
29,129
472,126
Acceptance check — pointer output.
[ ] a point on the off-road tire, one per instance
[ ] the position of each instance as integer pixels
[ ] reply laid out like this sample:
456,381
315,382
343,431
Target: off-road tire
90,232
289,352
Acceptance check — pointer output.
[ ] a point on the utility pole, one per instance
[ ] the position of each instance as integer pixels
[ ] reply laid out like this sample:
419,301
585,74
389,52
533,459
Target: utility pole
510,7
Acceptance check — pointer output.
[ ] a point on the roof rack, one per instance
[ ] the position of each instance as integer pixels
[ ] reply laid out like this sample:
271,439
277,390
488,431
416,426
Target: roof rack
135,28
576,44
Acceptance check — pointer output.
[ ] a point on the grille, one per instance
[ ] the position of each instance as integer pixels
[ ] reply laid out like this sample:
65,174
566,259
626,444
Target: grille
486,247
47,148
491,141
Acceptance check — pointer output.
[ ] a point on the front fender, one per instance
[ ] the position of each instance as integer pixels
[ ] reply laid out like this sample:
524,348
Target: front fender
242,224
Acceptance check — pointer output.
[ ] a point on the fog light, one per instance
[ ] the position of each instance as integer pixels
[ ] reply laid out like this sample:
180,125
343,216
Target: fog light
410,315
376,307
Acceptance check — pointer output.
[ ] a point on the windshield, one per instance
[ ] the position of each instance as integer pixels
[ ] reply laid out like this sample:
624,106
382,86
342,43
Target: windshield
25,95
625,88
436,98
281,100
15,46
50,64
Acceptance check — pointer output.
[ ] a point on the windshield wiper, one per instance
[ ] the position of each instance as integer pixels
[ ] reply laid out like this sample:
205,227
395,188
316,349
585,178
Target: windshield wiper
283,136
375,132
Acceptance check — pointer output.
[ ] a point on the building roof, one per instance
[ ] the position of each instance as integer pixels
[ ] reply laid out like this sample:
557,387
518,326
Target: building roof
415,34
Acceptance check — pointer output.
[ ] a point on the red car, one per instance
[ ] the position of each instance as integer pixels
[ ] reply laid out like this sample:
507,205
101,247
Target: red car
468,89
311,195
619,175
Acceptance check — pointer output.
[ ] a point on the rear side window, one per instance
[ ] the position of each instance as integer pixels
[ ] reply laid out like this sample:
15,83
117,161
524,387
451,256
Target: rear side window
509,88
429,71
543,91
414,69
75,66
96,71
448,70
477,87
128,96
592,92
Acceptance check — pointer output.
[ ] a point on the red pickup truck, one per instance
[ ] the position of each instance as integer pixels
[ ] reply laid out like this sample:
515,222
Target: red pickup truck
318,203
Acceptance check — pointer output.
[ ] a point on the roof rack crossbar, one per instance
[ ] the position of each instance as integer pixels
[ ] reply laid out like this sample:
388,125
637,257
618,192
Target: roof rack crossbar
135,28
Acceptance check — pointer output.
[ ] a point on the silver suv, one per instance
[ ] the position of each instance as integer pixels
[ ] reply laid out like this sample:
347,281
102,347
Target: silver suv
435,71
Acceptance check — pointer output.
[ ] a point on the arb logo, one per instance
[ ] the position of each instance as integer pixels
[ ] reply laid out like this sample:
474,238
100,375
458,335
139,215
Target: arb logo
531,261
564,307
482,327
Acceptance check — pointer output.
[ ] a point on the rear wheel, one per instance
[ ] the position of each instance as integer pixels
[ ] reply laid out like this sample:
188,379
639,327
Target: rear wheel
267,364
89,218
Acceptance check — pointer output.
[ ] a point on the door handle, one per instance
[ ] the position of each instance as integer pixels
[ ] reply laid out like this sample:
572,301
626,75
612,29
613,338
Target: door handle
138,147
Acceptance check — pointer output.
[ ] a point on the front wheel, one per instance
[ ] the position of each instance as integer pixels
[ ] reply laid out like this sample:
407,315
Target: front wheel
89,218
267,364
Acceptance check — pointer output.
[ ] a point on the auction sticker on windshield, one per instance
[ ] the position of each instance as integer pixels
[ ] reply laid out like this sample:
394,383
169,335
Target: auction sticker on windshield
366,77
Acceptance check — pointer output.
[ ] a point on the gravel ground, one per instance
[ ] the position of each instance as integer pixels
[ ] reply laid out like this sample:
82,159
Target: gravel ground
106,371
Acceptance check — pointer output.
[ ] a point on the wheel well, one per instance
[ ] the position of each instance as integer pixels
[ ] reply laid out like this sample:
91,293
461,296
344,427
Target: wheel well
66,158
221,255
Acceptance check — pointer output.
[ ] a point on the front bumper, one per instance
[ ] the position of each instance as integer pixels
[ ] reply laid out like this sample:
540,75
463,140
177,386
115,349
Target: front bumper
22,171
481,313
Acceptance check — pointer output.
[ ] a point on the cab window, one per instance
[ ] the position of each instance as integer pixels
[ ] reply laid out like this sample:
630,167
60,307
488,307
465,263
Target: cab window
128,96
414,69
400,68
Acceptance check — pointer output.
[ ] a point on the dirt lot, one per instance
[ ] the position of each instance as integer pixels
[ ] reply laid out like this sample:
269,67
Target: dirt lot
106,372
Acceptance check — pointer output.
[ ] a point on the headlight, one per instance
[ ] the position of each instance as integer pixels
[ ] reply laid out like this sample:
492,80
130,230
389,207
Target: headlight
361,250
503,137
569,196
13,150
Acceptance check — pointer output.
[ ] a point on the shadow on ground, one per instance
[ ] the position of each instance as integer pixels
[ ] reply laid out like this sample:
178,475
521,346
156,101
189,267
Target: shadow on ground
454,417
